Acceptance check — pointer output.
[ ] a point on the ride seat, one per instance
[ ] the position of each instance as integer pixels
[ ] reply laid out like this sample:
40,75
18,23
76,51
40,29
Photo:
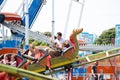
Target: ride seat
68,46
19,61
67,49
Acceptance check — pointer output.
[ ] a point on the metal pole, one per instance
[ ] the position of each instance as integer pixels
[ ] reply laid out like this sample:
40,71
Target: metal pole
68,16
26,25
53,22
3,33
81,11
6,34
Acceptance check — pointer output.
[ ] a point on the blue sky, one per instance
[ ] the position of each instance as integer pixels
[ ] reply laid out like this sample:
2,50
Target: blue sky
98,15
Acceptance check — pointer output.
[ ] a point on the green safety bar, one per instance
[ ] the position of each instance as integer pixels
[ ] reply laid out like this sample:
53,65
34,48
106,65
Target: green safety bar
24,73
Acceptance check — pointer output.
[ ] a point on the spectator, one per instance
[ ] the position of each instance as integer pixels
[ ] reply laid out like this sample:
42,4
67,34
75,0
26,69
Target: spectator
94,71
101,77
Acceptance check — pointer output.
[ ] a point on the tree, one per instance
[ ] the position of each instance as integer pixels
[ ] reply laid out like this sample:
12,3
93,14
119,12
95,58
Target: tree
31,40
39,43
49,34
106,37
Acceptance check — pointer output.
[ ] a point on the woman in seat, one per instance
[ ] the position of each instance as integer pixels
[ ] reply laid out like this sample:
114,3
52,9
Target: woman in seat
13,61
5,59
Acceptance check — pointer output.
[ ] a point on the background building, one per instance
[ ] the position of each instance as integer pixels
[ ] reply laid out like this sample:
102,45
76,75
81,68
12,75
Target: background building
88,39
117,34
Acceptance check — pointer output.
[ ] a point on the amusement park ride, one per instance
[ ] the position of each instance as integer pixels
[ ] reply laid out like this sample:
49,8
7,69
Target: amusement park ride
45,63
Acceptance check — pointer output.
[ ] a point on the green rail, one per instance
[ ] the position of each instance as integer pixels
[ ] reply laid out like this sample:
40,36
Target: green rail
92,58
24,73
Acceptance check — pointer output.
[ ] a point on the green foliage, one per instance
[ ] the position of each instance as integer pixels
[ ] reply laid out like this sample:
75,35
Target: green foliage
31,40
106,37
39,43
44,44
36,43
49,34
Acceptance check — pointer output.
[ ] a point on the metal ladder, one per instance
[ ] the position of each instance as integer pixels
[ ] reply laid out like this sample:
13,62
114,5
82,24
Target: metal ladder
34,35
